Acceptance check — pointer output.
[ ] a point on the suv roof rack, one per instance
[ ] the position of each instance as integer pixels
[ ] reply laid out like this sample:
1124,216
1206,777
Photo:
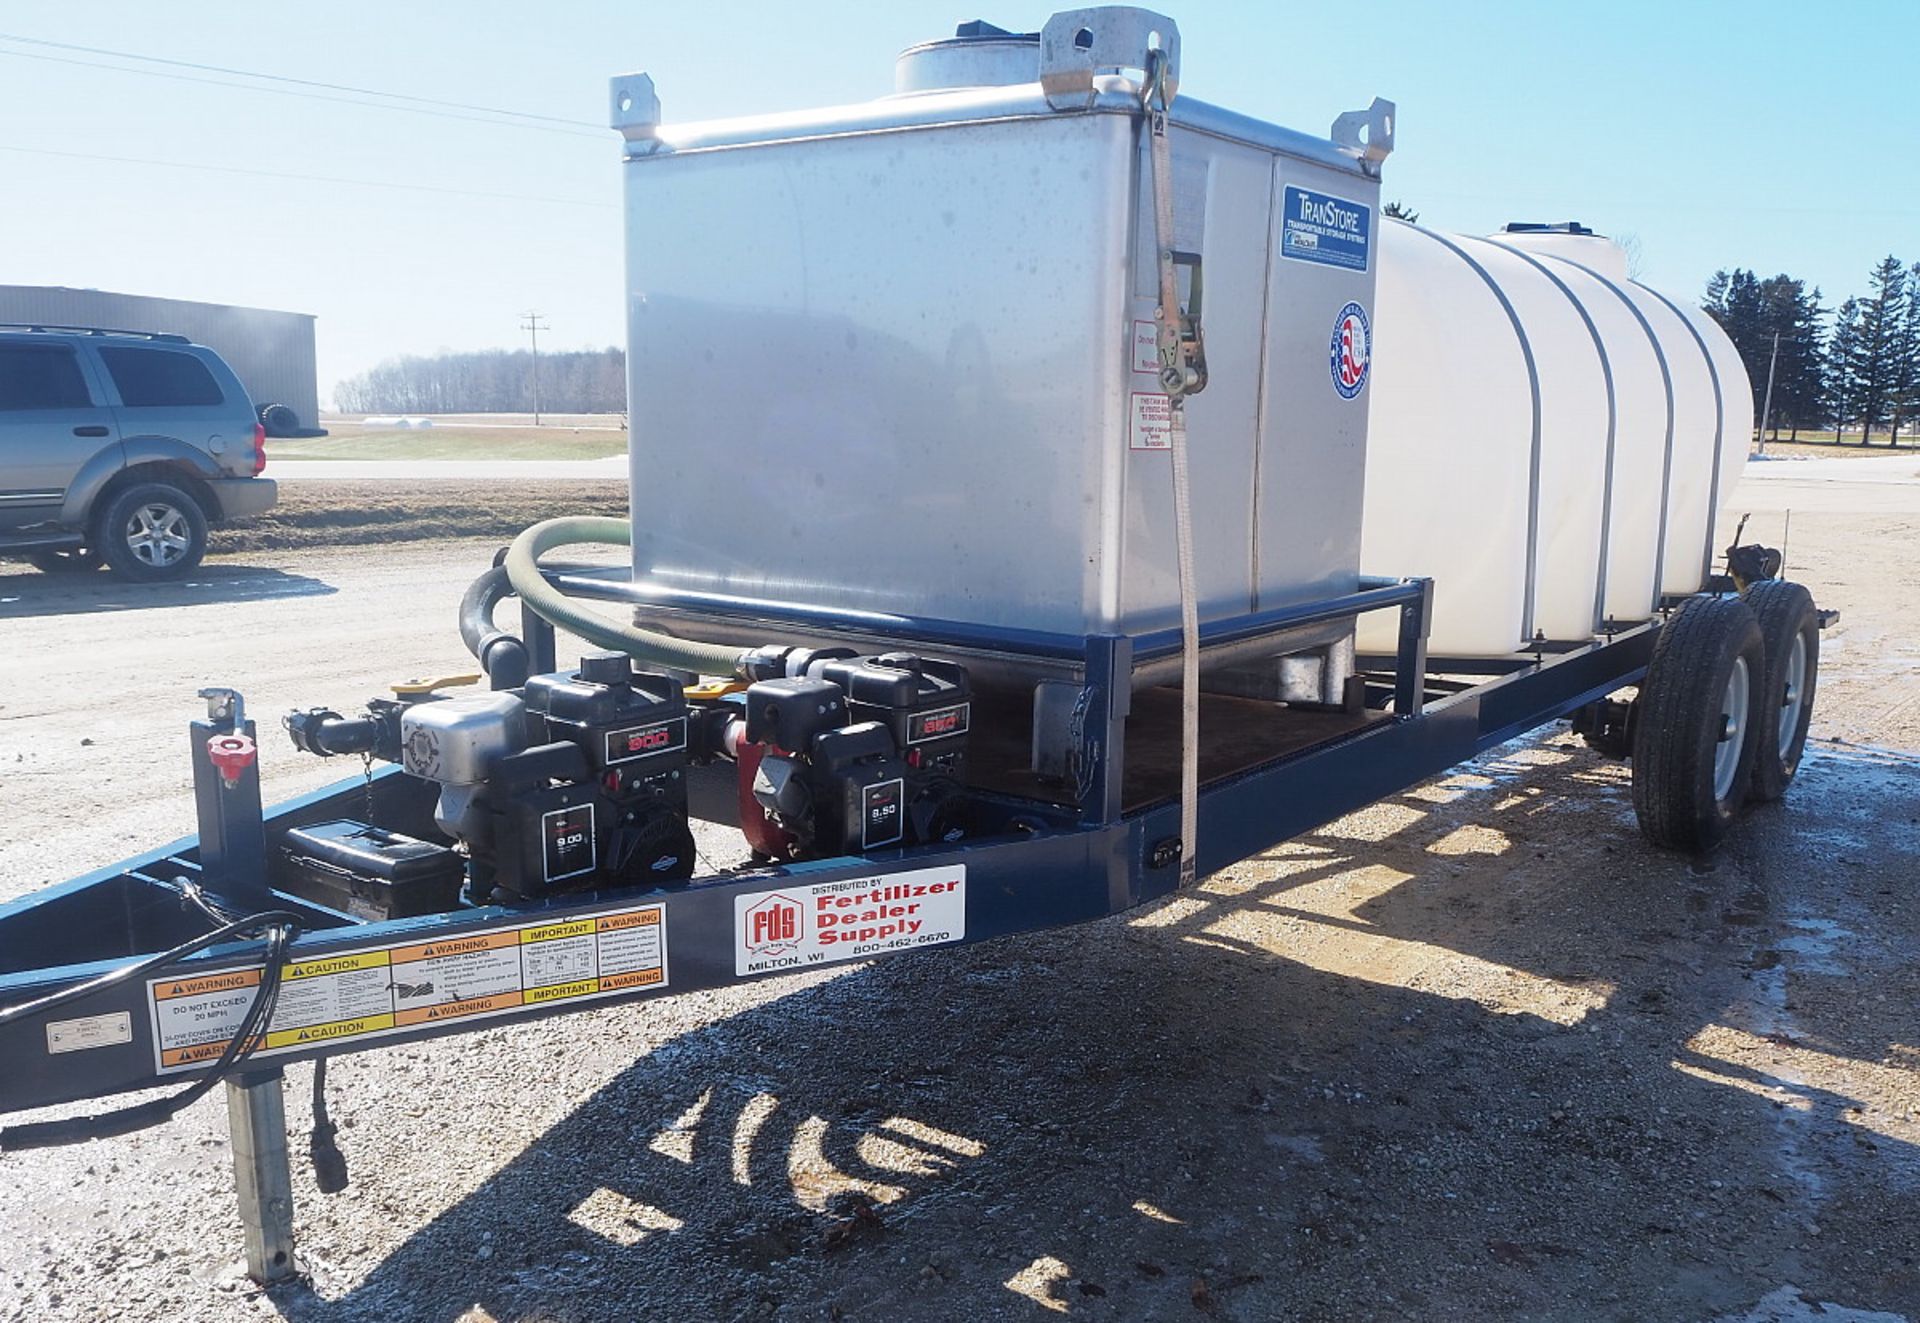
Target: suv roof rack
166,336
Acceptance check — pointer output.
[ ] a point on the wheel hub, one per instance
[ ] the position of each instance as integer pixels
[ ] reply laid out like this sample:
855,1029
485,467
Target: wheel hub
1733,729
1794,697
158,534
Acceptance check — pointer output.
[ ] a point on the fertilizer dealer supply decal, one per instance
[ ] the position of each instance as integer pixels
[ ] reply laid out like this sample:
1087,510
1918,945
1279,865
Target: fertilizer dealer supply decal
383,990
801,926
1350,354
1319,227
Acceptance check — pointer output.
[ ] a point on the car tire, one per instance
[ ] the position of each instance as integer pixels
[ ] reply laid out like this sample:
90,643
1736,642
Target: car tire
1699,723
279,420
79,560
1790,629
151,531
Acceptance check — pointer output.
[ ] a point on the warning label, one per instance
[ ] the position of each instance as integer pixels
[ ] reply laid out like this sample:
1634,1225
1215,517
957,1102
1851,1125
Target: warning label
382,990
802,926
1154,419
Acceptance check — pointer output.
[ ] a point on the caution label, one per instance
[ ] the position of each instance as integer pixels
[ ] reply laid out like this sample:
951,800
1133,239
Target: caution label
382,990
803,926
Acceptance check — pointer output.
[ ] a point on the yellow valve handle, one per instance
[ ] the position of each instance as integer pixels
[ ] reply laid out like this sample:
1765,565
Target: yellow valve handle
414,688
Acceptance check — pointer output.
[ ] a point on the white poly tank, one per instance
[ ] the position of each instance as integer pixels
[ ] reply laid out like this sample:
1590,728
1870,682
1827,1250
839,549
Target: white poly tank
1547,439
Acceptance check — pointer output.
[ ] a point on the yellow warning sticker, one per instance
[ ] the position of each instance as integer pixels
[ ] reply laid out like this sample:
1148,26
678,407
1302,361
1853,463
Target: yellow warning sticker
377,991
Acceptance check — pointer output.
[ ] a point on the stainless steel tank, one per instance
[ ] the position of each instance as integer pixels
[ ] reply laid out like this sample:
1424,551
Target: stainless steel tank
898,356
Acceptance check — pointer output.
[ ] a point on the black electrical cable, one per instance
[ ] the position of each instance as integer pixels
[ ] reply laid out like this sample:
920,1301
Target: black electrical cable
323,1148
282,927
191,893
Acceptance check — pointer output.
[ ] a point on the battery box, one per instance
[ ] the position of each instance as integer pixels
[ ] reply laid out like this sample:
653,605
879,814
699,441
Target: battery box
371,873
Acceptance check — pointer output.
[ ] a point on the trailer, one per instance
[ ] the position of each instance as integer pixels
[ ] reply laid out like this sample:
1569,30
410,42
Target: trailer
517,843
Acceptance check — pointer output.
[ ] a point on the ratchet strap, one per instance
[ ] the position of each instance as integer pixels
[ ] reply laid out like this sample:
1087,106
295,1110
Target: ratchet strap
1182,373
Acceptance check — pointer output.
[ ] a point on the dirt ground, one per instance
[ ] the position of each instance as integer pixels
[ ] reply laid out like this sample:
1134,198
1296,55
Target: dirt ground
1475,1052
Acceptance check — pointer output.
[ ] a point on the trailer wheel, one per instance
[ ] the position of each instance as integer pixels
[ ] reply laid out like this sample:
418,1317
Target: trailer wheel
1790,631
1696,732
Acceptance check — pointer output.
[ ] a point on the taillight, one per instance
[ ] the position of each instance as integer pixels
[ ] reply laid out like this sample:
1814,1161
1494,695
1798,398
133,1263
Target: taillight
259,448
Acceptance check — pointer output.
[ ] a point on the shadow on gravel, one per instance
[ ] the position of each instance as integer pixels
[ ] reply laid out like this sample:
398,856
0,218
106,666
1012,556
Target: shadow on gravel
1478,1054
29,593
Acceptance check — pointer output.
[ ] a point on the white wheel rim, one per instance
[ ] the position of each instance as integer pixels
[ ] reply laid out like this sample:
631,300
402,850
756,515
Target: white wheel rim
1795,695
158,535
1733,730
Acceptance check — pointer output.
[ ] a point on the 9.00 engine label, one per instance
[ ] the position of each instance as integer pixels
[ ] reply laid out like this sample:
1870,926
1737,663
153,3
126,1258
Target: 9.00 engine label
799,927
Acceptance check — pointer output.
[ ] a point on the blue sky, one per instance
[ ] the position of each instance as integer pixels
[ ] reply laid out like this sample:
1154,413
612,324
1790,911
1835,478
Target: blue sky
1767,134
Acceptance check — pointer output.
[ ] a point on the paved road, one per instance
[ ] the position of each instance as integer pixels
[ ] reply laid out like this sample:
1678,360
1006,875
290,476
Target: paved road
1882,485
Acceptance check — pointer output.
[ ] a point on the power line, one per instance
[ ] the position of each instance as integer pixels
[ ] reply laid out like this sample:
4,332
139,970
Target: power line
297,82
302,178
295,92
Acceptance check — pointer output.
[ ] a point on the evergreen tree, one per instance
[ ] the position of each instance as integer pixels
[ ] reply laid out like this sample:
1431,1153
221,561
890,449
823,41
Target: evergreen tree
1788,310
1904,402
1873,369
1752,312
1842,391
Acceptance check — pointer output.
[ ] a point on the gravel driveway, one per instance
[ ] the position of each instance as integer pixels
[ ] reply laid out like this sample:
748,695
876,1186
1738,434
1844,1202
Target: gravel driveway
1476,1052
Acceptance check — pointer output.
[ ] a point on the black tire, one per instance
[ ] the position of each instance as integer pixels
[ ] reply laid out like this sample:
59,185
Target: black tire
279,420
151,531
80,560
1787,617
1683,793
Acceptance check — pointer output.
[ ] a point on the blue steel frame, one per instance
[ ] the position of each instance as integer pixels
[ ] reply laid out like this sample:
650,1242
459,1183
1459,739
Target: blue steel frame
1062,866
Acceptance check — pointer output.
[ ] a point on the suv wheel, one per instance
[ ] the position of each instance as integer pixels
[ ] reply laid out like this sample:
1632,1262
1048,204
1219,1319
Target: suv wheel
81,560
152,531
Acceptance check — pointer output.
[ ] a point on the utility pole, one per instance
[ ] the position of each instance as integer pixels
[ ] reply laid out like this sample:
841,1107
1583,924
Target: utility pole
1767,407
533,324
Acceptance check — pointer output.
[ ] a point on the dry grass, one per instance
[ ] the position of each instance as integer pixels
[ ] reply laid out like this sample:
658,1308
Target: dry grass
314,514
354,442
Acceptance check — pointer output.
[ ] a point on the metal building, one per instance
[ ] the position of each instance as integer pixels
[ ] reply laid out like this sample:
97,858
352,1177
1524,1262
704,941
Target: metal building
271,352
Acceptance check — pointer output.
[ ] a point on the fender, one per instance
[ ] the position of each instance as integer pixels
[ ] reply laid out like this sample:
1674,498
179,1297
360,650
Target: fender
114,460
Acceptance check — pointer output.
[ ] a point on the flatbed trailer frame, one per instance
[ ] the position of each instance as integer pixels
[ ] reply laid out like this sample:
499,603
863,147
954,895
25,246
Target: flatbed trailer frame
1052,865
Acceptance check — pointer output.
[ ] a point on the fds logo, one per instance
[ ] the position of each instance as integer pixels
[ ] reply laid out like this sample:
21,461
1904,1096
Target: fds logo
775,926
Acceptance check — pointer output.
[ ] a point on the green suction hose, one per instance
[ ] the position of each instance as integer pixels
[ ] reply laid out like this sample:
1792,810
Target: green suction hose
550,604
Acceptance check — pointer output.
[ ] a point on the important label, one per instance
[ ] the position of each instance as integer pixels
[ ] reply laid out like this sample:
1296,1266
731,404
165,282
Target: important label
799,927
1332,231
384,990
1154,419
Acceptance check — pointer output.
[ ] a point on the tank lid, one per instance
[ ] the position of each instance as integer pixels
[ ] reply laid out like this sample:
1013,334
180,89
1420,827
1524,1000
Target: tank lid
1548,227
978,54
1069,57
1572,241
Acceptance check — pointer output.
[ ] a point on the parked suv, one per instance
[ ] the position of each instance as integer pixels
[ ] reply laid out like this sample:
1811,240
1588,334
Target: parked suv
121,447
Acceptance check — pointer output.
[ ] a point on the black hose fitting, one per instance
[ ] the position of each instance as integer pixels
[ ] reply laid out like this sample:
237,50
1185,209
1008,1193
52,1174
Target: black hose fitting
501,655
